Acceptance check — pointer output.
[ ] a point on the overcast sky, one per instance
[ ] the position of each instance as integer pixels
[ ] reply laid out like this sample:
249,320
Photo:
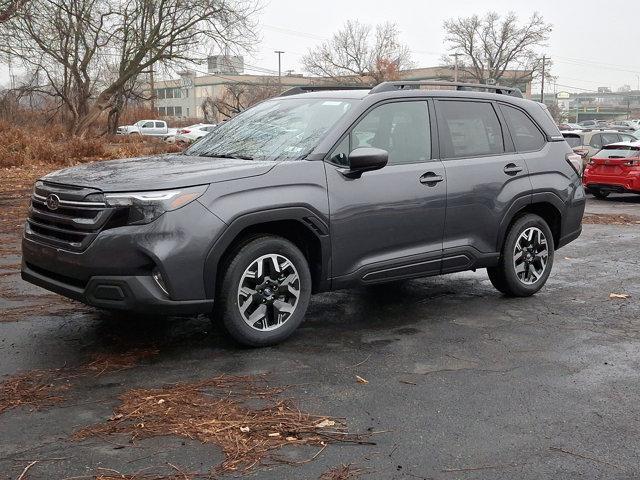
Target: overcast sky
594,43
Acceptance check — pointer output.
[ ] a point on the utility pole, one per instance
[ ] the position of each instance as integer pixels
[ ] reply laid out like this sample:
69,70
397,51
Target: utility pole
544,65
152,86
279,52
455,56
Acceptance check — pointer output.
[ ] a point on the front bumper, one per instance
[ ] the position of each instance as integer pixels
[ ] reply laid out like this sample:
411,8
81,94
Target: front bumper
116,270
130,293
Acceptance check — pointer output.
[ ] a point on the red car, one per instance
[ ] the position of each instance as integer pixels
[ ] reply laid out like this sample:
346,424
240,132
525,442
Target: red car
615,168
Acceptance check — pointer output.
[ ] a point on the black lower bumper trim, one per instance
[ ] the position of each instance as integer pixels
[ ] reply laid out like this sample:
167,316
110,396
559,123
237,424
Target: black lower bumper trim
129,293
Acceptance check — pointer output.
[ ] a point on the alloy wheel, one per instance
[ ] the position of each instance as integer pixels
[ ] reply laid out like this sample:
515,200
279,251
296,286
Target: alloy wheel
530,255
268,292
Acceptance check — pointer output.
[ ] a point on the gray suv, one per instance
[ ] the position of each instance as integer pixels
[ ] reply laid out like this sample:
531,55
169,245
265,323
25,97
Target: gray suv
309,192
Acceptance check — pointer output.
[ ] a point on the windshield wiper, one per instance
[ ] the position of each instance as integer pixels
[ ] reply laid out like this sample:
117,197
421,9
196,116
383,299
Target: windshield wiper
229,155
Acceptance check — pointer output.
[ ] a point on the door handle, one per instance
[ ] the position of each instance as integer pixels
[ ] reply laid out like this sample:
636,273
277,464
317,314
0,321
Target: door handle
431,179
512,169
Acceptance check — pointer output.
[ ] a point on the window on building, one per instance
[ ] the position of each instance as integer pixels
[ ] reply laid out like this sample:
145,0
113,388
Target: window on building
187,111
470,129
160,93
177,111
162,111
169,111
177,93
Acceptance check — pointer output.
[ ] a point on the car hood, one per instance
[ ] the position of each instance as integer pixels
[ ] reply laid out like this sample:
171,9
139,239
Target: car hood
157,172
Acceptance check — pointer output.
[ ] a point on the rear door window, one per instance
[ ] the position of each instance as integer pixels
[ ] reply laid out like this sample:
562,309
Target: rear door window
608,138
147,125
160,124
526,135
596,141
469,129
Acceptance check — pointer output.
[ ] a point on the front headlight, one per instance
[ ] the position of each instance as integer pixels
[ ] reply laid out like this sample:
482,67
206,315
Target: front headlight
145,207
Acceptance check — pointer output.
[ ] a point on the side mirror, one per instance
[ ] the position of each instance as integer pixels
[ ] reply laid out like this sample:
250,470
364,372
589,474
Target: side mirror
365,159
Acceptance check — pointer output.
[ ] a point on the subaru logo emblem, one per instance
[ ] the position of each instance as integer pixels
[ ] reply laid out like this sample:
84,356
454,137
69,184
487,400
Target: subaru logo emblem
53,201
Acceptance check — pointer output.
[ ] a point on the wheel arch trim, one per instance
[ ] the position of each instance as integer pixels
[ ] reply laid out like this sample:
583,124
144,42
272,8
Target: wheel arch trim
307,218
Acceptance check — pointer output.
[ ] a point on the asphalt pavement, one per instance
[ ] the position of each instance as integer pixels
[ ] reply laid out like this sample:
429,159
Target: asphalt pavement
463,383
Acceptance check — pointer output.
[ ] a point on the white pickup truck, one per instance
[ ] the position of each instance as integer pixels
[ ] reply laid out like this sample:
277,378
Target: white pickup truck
152,128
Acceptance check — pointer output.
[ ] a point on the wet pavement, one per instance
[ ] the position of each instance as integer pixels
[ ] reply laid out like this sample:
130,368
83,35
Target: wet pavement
463,383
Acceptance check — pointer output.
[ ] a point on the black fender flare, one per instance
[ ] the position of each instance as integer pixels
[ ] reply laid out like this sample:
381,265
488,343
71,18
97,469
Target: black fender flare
522,203
308,218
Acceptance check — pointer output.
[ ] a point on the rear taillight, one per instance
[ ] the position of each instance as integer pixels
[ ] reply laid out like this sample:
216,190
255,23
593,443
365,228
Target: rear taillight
632,163
575,161
183,131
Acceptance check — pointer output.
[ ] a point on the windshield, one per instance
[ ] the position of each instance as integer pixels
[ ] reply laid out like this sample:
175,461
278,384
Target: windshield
619,151
279,129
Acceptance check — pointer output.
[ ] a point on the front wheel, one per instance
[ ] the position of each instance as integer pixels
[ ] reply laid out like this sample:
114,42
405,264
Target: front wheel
526,259
265,291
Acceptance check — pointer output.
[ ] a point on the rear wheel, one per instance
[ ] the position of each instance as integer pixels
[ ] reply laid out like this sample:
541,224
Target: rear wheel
526,259
600,194
265,291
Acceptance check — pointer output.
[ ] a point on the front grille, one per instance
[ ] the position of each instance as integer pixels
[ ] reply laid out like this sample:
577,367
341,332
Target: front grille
66,217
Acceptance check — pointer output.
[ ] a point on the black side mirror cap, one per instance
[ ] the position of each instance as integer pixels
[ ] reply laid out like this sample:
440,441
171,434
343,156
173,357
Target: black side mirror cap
365,159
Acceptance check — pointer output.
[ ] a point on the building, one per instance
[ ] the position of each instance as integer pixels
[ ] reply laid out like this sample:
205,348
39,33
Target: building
602,104
184,97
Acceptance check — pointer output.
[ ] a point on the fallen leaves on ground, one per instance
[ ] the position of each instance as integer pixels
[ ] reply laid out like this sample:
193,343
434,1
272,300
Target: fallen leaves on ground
343,472
621,296
361,380
610,219
37,389
242,415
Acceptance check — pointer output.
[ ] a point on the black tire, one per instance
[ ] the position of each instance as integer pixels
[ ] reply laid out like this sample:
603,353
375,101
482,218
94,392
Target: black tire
600,194
227,309
504,277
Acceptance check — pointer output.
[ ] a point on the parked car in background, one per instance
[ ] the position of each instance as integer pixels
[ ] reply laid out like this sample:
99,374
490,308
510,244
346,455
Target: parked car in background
193,132
593,123
151,128
569,126
615,168
587,143
622,126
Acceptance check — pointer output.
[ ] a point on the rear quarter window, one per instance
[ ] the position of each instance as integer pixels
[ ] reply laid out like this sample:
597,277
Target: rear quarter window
526,135
574,141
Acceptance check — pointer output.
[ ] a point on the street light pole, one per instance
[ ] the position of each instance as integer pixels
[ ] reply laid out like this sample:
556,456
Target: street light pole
279,52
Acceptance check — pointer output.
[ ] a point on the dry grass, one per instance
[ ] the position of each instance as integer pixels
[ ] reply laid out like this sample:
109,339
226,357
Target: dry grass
39,389
242,415
611,219
36,145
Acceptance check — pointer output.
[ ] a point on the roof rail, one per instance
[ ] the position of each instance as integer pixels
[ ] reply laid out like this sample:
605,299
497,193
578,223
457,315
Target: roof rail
414,84
322,88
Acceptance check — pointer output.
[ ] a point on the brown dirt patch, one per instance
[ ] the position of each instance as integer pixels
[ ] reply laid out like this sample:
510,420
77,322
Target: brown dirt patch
242,415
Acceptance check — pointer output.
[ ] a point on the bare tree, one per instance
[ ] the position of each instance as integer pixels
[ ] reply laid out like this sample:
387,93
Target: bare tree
236,98
71,43
358,54
10,8
490,46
